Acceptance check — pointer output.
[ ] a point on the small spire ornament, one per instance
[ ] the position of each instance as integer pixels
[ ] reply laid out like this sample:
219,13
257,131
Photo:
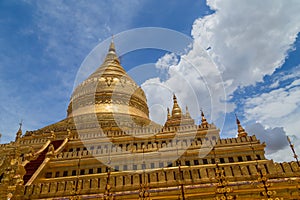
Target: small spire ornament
204,122
241,130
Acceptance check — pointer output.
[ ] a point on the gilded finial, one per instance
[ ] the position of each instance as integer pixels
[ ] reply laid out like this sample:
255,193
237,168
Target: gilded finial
19,133
237,119
241,130
112,47
168,113
174,98
112,55
204,122
20,124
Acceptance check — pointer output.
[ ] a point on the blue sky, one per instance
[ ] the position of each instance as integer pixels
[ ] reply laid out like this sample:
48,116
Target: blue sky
254,46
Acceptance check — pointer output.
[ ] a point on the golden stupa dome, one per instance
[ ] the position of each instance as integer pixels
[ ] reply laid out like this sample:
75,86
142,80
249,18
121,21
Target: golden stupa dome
110,93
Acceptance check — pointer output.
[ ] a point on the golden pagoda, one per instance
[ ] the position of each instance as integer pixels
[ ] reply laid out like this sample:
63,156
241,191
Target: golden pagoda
108,148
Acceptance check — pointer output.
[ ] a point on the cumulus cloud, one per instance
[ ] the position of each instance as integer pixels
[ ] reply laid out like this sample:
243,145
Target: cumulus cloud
242,41
166,61
194,79
248,40
285,154
275,138
278,148
280,106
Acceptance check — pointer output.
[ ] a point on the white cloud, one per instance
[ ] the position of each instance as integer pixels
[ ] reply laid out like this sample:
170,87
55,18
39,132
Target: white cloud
194,79
295,83
280,106
275,84
245,40
249,40
167,61
275,104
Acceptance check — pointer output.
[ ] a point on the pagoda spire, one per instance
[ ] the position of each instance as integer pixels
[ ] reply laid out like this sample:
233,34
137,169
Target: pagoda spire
241,130
168,113
177,117
176,111
19,133
187,113
112,55
204,122
112,45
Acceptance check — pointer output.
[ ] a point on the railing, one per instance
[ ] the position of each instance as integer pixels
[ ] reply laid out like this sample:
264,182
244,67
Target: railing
121,181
